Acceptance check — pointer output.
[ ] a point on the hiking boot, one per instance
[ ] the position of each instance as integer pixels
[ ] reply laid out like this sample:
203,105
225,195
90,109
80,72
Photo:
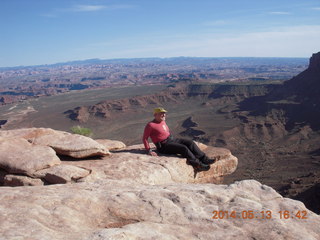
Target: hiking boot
207,160
198,165
202,167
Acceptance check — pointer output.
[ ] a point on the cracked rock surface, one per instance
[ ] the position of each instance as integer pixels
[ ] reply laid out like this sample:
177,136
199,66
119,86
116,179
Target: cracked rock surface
131,195
133,163
63,143
117,209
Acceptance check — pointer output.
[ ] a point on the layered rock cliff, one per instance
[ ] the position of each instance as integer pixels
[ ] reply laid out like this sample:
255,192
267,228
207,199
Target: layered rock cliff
281,130
105,109
296,101
206,92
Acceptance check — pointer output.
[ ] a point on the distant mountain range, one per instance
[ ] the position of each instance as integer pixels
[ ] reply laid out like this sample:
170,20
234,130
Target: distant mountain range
176,60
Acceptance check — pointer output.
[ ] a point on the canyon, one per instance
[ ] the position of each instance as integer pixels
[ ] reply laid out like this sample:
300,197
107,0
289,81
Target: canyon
270,126
29,82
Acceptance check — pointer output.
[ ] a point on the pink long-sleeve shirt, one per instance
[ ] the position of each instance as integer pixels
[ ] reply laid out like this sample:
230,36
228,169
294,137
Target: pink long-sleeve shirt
157,131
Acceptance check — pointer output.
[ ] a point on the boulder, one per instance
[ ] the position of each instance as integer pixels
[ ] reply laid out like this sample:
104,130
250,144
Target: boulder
225,164
129,163
132,163
62,174
111,144
114,209
19,156
214,152
63,143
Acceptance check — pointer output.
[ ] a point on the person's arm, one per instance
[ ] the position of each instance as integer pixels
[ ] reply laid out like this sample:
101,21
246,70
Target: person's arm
146,135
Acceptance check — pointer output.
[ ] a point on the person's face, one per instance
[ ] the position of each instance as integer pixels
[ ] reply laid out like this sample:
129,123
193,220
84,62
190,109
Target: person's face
160,116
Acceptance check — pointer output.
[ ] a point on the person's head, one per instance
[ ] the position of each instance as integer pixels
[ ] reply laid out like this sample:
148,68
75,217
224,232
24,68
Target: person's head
159,114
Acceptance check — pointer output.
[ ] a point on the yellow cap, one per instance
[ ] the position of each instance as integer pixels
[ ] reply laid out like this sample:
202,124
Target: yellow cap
159,110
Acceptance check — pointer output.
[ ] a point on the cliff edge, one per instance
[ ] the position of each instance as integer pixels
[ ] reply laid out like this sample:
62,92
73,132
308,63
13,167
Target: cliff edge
44,156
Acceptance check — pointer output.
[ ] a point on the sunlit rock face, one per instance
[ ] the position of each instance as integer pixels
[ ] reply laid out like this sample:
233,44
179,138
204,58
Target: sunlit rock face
131,195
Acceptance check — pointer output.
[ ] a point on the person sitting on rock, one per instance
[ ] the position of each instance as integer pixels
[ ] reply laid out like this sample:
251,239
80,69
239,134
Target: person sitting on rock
160,135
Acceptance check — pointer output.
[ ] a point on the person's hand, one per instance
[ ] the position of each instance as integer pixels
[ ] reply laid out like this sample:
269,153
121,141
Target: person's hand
152,153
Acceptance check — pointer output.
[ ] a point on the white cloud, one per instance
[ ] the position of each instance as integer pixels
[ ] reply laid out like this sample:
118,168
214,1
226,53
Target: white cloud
93,8
87,8
279,13
299,41
316,8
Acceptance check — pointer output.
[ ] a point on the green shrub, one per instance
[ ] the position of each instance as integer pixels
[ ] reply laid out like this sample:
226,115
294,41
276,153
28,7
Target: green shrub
81,131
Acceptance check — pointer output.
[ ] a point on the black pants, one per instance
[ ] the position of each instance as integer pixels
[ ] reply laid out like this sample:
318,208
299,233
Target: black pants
187,148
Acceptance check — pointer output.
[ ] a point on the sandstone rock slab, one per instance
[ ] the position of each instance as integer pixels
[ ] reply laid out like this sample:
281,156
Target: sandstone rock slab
63,143
133,163
114,209
225,164
19,156
62,174
111,144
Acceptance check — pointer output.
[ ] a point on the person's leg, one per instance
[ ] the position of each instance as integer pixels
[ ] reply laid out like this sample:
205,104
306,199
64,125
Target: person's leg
177,148
191,146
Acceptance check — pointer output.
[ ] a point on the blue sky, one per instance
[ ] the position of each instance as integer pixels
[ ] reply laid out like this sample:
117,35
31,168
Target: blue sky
49,31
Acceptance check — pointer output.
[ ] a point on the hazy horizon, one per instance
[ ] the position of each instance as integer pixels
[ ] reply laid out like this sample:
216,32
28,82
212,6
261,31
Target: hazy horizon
147,58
